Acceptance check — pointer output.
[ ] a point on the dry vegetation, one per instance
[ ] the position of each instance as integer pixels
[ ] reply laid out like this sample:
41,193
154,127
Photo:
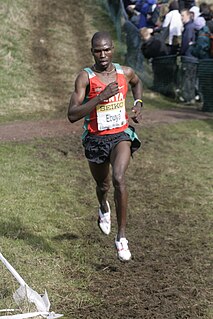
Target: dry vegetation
44,44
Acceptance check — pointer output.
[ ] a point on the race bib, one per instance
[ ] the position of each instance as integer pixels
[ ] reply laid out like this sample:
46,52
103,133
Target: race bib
111,115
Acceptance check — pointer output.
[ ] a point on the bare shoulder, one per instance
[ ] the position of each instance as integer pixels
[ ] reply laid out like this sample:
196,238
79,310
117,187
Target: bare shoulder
129,73
82,75
82,78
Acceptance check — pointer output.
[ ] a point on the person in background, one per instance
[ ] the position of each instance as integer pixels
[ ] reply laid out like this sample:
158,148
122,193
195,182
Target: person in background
127,3
188,34
186,4
174,22
207,13
132,14
152,45
194,12
201,47
108,139
188,70
148,13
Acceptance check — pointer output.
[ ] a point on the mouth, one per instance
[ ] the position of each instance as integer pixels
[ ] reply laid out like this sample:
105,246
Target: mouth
103,63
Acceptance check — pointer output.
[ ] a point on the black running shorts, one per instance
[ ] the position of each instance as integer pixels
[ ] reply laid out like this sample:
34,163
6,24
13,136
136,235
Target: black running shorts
98,148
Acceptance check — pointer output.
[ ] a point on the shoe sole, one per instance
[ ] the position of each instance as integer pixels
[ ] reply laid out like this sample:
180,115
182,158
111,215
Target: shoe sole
124,260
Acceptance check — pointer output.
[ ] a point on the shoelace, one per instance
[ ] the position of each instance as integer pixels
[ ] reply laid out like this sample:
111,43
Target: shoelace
123,246
104,218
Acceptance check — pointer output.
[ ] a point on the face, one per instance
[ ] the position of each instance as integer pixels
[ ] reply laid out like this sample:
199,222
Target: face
102,52
185,17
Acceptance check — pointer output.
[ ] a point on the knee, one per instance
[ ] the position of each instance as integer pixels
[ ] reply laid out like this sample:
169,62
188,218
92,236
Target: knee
119,180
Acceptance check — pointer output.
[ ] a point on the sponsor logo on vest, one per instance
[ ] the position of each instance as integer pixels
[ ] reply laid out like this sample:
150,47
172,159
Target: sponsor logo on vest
115,98
121,87
111,106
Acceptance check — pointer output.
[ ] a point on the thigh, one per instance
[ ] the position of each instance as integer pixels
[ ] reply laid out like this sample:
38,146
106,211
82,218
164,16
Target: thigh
100,172
120,157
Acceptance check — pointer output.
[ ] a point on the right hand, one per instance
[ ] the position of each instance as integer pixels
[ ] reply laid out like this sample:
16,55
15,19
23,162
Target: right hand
110,90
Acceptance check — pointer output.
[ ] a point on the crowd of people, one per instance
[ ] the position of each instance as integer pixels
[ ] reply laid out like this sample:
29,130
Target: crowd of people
175,27
183,27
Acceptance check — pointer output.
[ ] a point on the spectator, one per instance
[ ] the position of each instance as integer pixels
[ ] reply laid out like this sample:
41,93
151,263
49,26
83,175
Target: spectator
186,4
188,34
148,13
194,12
201,47
133,15
152,45
173,20
188,69
126,3
207,14
164,9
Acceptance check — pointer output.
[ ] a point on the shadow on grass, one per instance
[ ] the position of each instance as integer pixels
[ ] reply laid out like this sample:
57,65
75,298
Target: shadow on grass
210,122
15,229
66,236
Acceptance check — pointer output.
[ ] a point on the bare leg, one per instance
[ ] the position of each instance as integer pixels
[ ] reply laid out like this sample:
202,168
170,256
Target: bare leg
120,158
100,173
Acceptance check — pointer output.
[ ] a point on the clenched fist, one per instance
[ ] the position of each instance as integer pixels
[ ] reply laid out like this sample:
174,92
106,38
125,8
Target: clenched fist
110,90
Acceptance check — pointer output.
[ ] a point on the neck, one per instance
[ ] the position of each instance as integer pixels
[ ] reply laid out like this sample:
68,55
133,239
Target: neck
107,71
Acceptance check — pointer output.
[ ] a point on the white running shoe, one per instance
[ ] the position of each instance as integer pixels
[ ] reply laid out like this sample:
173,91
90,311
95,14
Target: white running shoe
104,220
123,249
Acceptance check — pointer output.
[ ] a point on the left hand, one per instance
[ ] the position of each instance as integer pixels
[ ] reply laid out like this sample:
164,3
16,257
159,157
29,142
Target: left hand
137,115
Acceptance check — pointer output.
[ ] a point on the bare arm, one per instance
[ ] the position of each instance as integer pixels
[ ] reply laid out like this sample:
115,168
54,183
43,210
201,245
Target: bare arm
77,110
137,92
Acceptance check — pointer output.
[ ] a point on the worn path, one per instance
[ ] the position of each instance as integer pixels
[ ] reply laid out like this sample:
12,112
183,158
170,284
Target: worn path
28,130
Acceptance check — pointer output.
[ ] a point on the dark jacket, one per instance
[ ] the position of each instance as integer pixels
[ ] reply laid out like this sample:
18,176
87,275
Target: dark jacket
201,48
154,47
188,37
209,23
148,16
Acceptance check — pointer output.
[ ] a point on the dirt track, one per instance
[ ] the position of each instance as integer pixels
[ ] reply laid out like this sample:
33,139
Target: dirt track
21,131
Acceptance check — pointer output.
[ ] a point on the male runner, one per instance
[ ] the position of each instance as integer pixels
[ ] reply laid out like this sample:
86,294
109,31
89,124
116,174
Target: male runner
109,141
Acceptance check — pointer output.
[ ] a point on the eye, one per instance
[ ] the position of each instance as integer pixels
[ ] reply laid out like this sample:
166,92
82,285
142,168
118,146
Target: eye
108,50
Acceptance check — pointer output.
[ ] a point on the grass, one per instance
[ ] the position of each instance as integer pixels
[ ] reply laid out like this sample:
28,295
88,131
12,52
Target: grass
15,70
32,38
47,200
33,82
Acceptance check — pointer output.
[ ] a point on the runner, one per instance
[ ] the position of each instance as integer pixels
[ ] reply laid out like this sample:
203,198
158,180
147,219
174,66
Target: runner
108,139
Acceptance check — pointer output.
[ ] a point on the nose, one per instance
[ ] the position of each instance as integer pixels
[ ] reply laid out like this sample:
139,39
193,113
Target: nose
102,53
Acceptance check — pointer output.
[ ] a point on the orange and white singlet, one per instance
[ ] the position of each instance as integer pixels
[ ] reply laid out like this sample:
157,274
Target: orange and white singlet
110,115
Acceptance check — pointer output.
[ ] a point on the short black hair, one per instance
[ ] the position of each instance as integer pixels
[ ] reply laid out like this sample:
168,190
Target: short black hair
173,5
100,35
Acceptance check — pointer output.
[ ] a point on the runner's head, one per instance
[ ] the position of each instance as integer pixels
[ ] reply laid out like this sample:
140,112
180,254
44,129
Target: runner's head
102,50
